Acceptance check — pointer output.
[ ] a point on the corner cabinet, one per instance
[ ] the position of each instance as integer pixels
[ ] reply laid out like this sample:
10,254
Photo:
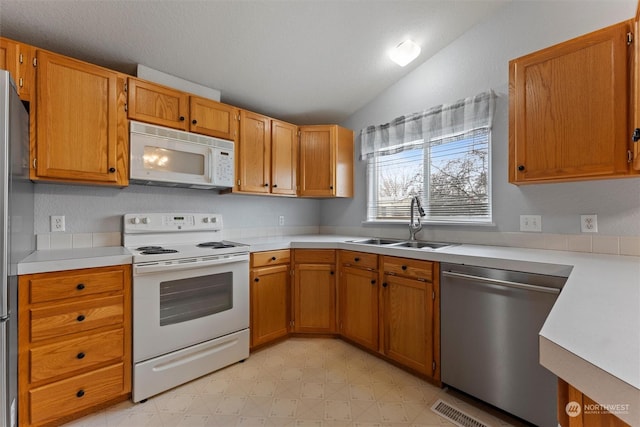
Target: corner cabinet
270,296
74,343
81,126
326,161
410,310
314,291
569,109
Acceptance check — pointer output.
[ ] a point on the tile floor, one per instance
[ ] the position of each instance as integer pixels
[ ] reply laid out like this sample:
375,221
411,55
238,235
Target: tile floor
298,382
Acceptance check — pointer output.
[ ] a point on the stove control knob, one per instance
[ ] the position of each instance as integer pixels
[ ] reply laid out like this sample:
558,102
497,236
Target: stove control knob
214,219
135,220
205,220
146,220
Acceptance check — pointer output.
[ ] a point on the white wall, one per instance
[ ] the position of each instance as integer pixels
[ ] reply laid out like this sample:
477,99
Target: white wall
479,61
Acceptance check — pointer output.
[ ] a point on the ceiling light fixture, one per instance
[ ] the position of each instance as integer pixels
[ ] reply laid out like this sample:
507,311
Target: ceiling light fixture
405,52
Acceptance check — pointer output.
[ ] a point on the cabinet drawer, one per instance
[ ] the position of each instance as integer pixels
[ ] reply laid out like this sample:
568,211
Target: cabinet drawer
359,259
73,355
315,256
267,258
408,267
48,287
64,397
75,317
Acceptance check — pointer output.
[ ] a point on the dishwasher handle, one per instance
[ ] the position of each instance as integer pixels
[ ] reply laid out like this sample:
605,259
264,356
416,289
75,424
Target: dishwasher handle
505,283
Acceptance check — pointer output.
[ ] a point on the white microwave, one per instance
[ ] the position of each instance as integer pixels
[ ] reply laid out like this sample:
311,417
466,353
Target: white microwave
169,157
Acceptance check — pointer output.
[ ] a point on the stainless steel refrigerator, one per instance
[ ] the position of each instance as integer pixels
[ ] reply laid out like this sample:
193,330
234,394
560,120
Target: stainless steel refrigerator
17,239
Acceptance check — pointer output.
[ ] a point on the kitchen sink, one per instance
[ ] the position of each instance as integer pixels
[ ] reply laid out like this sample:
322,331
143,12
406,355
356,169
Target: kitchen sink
419,245
377,241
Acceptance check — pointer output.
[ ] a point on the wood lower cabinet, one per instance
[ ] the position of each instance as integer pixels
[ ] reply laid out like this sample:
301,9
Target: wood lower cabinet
572,401
314,291
410,310
326,161
358,291
74,343
81,127
270,296
569,110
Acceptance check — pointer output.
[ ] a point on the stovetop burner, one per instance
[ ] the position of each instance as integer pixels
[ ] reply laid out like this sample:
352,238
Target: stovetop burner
155,250
215,245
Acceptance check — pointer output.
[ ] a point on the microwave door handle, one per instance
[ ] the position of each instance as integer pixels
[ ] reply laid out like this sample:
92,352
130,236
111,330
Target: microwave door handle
212,160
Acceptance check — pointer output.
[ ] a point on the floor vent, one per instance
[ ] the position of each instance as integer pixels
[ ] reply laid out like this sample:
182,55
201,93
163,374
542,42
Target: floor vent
455,415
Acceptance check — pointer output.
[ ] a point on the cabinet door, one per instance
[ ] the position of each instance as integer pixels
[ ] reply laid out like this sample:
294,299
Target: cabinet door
636,93
359,306
408,316
284,157
317,161
568,109
17,58
81,125
153,103
254,153
269,304
213,118
315,298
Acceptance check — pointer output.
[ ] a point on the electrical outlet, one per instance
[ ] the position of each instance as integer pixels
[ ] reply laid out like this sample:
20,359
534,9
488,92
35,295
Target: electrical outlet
589,223
57,223
530,223
281,220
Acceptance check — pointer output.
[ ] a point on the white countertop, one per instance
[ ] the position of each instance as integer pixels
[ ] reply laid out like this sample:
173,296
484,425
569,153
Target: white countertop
591,338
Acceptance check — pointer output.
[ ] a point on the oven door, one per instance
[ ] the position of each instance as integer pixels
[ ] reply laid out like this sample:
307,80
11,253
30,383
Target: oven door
188,302
161,159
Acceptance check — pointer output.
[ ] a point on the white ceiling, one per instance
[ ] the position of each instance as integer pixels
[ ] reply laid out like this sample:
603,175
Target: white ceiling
308,62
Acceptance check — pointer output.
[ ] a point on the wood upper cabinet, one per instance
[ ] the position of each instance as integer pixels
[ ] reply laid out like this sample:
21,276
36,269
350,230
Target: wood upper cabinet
213,118
81,127
74,343
164,106
566,394
569,109
270,296
18,59
267,155
359,290
154,103
284,158
636,92
411,326
314,291
326,161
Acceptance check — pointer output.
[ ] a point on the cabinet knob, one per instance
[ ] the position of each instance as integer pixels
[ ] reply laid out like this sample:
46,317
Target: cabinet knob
266,184
80,393
273,258
521,168
256,279
404,267
636,135
80,355
373,282
181,118
331,187
331,273
356,259
275,185
80,286
194,121
80,318
384,284
112,170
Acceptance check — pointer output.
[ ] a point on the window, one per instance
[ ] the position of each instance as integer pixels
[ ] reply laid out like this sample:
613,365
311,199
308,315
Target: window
450,173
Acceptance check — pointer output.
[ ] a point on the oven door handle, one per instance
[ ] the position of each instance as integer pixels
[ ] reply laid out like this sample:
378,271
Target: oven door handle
187,264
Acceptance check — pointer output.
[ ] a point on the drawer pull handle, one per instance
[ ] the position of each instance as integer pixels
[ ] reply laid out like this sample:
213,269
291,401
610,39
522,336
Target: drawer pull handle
80,393
404,267
273,258
80,355
80,286
356,259
80,318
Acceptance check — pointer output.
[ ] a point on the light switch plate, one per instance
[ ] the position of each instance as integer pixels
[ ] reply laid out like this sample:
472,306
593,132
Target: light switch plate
531,223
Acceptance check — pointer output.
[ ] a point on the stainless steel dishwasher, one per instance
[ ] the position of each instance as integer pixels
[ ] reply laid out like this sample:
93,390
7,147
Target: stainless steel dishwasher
490,320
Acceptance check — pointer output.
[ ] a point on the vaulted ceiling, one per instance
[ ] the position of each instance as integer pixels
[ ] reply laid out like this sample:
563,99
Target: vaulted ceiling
304,61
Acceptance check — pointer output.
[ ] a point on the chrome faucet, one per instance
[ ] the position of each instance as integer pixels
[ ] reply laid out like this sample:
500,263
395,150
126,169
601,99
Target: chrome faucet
413,227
